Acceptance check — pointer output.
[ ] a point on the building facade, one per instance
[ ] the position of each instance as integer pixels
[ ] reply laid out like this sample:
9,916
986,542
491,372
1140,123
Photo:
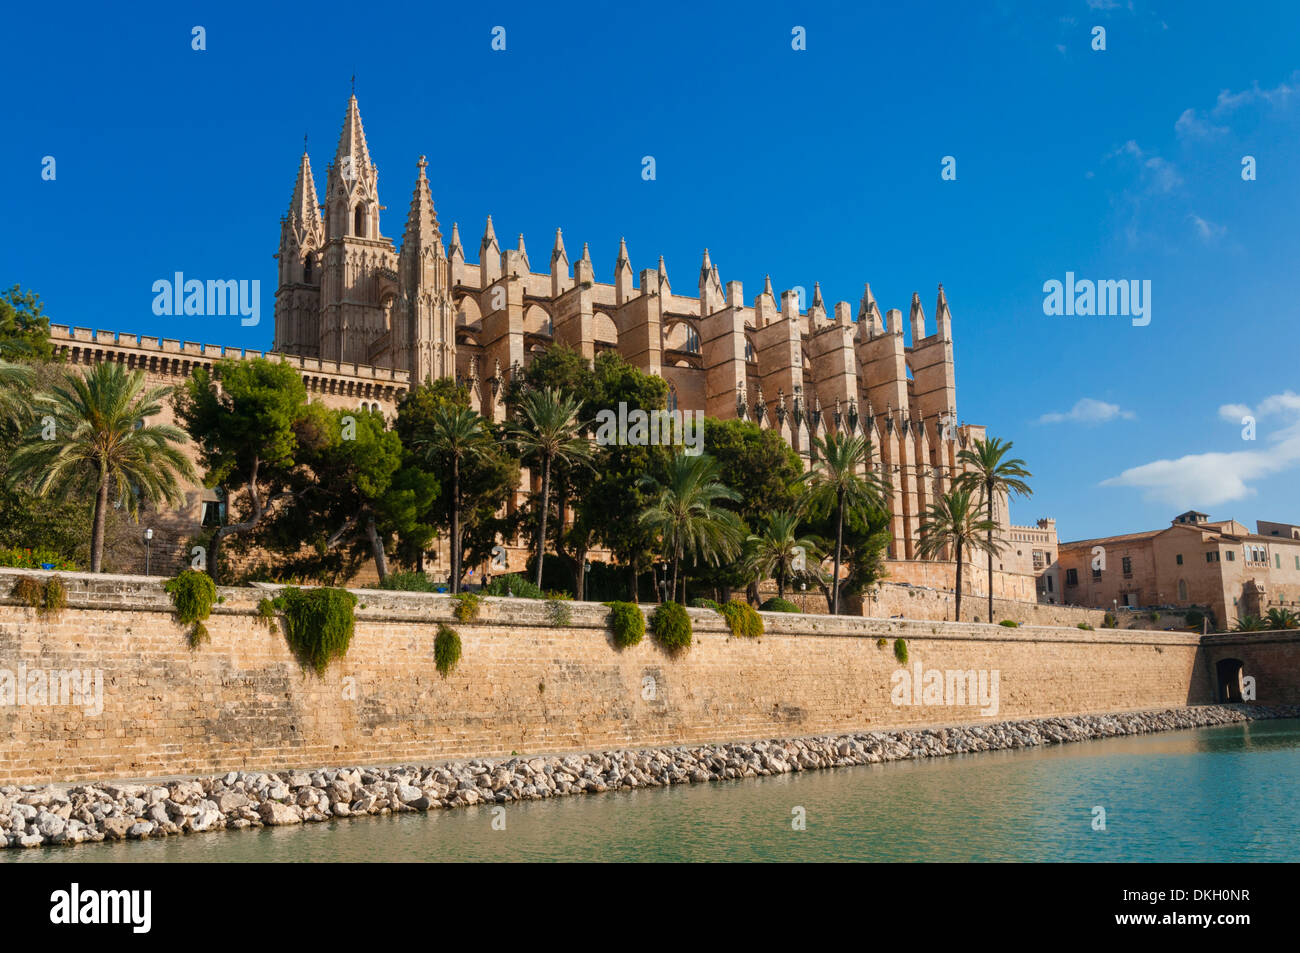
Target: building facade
365,320
1193,562
346,295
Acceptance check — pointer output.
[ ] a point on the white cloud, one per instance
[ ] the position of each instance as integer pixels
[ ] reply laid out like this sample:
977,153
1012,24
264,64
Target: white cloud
1234,412
1279,95
1286,402
1191,125
1160,174
1206,230
1088,411
1205,479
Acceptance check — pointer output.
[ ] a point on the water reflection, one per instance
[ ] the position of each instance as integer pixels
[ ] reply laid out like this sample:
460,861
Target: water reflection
1219,794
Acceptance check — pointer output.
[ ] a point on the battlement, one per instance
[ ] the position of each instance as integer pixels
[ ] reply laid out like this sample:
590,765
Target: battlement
63,336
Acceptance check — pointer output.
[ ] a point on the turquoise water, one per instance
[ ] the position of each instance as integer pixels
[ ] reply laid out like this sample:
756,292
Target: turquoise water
1215,794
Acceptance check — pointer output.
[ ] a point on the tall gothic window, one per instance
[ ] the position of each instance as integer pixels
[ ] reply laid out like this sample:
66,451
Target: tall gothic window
360,222
306,269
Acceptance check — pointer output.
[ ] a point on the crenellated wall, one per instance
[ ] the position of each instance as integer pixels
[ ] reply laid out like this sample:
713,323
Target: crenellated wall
530,681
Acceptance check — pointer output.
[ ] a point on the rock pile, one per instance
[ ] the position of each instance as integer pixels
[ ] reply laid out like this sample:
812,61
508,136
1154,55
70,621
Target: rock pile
38,816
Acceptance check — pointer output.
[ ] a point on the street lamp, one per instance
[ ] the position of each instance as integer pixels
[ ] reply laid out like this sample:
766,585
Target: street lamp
148,546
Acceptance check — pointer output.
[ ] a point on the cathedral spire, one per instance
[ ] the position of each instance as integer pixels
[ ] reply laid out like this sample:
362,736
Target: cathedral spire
942,316
353,155
304,206
489,239
422,222
558,254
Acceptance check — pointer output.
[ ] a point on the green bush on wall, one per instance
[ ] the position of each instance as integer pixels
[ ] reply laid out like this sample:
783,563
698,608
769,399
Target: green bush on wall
1010,623
47,597
513,585
777,604
446,649
408,582
467,606
706,604
742,619
900,651
193,594
318,623
671,626
626,622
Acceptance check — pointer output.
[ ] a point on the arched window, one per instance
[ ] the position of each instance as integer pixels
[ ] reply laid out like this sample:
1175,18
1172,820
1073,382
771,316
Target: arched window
1182,590
360,222
306,269
749,350
692,341
672,399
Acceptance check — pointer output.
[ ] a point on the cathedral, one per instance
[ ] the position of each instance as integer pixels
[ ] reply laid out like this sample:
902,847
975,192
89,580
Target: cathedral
363,321
345,294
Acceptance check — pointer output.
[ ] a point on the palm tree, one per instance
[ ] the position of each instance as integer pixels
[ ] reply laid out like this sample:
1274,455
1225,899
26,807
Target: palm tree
953,522
549,429
989,472
835,481
15,386
1250,623
687,513
93,434
778,552
455,433
1283,619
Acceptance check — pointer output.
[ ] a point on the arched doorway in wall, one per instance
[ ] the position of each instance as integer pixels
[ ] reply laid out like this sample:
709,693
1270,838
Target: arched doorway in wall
1228,674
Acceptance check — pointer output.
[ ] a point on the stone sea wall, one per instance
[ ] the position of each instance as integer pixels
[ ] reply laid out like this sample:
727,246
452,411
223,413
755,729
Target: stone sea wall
534,678
31,816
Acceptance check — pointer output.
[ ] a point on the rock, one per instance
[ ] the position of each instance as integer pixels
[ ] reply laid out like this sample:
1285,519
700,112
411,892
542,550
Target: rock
140,830
275,814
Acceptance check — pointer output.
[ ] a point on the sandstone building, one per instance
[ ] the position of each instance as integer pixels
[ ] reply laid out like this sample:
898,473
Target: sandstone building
364,320
1192,562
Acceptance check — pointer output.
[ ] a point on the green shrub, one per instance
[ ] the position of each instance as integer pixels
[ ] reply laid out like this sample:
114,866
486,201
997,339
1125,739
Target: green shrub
1010,623
30,591
1109,621
671,626
266,613
777,604
446,649
27,558
900,651
318,623
561,615
742,619
467,606
626,622
408,582
513,585
193,594
1085,626
557,595
706,604
1194,619
881,643
56,596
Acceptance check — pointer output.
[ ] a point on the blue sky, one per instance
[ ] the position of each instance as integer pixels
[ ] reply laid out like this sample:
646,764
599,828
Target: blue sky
815,165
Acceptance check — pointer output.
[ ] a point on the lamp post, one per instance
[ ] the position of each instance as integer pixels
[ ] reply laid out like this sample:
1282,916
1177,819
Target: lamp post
148,546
